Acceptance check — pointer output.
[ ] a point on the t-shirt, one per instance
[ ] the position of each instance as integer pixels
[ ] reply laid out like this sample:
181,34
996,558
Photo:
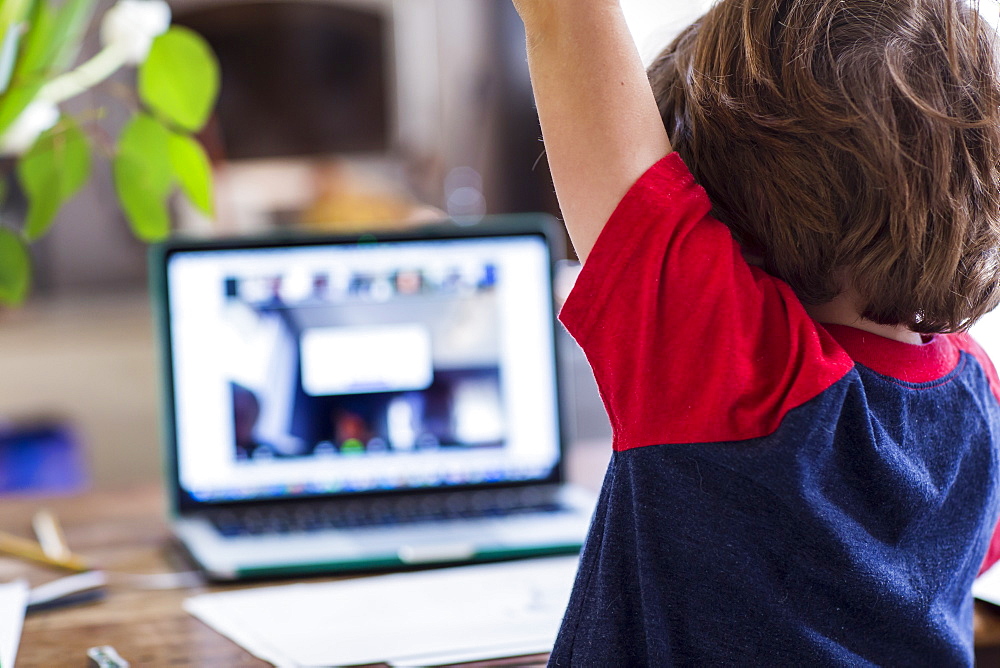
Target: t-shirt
781,492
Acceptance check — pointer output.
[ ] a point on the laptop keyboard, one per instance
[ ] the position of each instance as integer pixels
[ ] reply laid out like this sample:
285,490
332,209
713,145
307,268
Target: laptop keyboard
320,516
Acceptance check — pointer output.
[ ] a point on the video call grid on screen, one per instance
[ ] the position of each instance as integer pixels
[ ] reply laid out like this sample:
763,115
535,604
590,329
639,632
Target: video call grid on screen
362,367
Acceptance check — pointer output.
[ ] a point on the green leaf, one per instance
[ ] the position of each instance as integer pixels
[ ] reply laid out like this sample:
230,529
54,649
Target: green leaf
74,17
144,176
15,268
147,139
8,55
53,40
51,172
12,12
37,39
180,78
145,209
193,171
15,100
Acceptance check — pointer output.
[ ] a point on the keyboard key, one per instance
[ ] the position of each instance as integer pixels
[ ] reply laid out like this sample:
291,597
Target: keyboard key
320,516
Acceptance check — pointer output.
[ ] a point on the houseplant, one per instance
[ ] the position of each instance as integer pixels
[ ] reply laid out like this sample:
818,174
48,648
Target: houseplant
49,152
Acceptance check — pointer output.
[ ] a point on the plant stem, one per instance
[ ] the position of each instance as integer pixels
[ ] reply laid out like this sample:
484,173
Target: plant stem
108,61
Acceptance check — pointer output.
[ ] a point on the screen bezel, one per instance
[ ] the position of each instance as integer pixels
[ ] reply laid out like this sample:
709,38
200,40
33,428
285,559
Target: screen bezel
517,225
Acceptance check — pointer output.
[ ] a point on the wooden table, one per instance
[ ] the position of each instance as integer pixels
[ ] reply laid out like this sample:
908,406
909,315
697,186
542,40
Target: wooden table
124,531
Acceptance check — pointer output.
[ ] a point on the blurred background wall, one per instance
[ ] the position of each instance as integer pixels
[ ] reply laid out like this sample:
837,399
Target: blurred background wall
334,115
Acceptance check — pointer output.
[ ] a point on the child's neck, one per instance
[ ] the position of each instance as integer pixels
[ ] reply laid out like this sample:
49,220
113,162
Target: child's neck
843,310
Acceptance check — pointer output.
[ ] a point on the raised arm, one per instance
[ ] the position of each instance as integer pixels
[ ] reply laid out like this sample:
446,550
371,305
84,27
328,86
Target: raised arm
599,119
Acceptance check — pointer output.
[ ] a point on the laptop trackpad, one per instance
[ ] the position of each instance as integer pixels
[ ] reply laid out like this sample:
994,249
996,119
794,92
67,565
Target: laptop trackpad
428,554
414,545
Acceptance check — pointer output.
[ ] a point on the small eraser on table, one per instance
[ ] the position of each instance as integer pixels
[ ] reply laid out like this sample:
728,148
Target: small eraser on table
105,656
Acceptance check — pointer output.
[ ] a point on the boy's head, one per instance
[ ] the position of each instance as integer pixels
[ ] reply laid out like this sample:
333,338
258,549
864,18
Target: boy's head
853,144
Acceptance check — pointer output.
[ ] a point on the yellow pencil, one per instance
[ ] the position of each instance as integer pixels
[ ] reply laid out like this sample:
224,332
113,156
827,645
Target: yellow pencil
29,549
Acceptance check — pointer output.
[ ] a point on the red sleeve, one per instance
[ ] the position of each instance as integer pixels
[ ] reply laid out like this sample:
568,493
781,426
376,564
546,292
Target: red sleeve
689,344
969,345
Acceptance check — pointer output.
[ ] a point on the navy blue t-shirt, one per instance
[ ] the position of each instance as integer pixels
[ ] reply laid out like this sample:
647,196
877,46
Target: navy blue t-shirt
781,492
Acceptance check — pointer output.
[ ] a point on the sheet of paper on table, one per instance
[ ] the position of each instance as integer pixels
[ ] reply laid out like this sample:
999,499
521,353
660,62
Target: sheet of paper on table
464,613
13,601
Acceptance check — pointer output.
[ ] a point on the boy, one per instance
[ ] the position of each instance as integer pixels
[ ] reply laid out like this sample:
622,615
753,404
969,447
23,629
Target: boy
805,465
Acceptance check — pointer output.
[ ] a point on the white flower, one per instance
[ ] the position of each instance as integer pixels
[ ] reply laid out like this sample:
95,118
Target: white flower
132,25
36,118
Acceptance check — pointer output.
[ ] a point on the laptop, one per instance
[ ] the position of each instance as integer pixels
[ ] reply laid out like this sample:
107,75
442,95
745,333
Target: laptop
368,402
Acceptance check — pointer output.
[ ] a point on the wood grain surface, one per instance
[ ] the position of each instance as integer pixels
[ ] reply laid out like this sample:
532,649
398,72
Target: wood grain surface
124,532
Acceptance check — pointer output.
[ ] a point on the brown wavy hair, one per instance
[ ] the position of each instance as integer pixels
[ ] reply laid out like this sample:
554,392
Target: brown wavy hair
851,144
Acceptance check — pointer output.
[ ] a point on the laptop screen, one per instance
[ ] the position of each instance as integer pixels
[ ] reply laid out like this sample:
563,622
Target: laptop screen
318,368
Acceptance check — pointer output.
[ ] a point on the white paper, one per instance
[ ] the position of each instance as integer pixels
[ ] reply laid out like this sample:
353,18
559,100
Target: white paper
13,601
470,612
528,647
